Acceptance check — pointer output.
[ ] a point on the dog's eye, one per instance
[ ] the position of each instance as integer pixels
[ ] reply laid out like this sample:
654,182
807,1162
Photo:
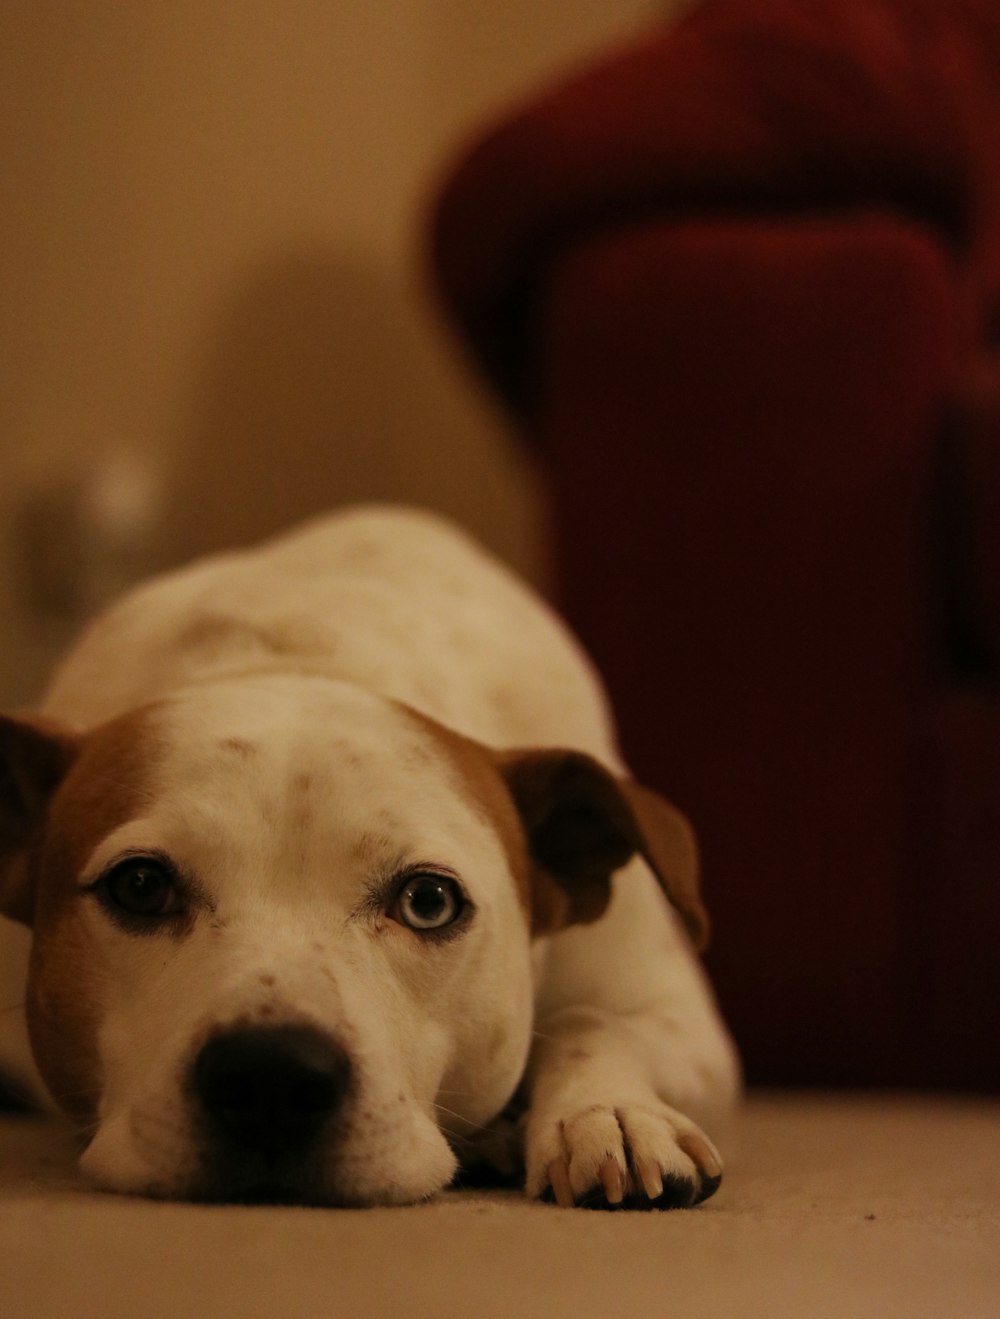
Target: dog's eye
140,887
428,902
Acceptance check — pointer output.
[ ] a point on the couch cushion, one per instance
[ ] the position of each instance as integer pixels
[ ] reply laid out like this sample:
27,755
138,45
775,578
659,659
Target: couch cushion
956,989
972,534
741,421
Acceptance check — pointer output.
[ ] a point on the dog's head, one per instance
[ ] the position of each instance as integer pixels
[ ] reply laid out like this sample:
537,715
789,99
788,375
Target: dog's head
282,930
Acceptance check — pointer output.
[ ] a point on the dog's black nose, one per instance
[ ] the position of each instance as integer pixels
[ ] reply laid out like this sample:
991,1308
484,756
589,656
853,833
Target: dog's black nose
271,1090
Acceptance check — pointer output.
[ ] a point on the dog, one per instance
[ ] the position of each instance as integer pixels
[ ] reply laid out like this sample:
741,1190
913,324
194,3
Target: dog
337,884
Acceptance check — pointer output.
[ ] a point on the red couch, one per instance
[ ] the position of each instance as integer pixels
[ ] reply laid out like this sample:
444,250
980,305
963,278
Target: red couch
741,284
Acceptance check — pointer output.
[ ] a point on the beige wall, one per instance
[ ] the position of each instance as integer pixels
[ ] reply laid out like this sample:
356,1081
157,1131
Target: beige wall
208,287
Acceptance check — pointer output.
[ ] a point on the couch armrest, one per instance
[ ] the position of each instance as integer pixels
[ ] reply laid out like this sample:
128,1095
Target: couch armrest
766,106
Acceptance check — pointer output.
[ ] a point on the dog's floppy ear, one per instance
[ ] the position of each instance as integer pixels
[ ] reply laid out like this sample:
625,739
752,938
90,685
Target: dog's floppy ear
582,824
34,759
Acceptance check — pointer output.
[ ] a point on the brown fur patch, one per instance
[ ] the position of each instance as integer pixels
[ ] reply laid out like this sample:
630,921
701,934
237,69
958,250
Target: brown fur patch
482,772
478,776
34,759
107,785
239,746
583,824
572,883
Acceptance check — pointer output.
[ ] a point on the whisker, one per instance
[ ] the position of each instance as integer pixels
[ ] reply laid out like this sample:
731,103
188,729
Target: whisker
81,1093
477,1126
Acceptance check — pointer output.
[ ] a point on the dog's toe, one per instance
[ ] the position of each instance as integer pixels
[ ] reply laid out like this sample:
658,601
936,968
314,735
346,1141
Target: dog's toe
674,1163
627,1158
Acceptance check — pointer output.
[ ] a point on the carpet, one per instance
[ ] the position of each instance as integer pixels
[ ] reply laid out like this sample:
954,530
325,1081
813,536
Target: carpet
843,1207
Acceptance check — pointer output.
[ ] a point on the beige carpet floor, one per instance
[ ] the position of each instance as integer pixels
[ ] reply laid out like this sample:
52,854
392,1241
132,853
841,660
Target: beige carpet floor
846,1207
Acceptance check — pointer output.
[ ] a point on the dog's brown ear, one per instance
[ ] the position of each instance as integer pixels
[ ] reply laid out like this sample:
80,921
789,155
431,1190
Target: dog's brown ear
34,759
582,824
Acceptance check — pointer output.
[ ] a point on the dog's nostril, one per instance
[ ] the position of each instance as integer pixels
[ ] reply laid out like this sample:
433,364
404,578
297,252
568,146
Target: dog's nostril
271,1089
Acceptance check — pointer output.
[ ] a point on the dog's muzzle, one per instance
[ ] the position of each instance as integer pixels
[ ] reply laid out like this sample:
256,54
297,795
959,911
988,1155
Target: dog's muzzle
268,1093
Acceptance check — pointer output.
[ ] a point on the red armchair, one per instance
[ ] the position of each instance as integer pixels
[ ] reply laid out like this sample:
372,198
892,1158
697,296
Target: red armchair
740,284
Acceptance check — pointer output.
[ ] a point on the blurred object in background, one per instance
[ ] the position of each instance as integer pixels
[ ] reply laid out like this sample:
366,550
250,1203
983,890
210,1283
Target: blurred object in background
206,230
740,283
85,533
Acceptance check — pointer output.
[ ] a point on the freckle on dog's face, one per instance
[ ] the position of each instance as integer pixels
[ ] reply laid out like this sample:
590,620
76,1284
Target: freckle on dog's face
274,869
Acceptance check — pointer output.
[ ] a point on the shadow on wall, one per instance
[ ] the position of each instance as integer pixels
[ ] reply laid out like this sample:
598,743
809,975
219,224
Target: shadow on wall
325,385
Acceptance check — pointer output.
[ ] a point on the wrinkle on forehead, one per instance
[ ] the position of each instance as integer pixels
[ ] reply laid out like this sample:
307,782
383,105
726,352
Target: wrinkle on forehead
284,783
287,728
335,780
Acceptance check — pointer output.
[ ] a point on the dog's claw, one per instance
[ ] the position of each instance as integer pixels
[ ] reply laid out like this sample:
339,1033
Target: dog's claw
613,1182
651,1178
702,1153
559,1181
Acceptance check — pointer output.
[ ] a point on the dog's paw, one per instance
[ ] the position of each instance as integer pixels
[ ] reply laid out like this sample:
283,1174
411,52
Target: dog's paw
632,1157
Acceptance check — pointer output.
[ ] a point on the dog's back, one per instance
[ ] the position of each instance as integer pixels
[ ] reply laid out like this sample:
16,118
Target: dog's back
395,600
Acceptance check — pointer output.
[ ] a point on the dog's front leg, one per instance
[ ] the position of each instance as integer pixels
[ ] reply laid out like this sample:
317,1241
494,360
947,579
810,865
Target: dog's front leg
629,1063
598,1132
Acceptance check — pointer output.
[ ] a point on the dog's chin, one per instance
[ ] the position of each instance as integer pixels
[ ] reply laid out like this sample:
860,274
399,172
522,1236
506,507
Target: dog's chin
176,1168
269,1188
253,1181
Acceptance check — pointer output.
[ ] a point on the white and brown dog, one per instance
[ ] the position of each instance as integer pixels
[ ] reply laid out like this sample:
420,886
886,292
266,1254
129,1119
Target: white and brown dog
316,843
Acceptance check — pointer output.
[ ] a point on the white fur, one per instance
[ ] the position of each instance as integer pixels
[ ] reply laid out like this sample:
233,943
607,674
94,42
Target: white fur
295,647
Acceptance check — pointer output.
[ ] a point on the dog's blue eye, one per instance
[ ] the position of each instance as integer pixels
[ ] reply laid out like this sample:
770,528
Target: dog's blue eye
428,902
142,887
